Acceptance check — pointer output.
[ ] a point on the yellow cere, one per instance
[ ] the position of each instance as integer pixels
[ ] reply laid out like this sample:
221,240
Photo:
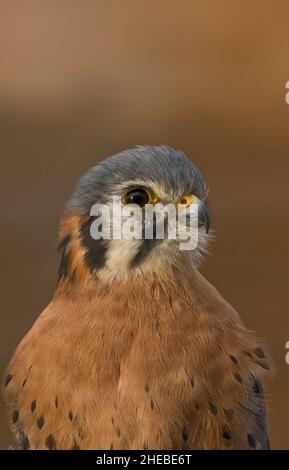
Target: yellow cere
186,199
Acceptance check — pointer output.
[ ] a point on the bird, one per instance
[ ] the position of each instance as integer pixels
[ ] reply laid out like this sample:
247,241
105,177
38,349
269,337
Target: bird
137,350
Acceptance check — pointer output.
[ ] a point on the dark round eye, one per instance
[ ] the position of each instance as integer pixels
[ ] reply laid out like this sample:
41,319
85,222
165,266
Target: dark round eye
138,196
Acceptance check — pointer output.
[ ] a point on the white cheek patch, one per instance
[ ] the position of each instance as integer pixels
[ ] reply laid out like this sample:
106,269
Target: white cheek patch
129,245
120,254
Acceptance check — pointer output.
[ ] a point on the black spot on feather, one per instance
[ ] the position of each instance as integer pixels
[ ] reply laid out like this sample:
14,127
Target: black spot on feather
8,379
238,377
233,359
213,409
95,254
63,249
50,442
226,433
257,386
247,353
251,441
23,441
264,365
40,422
15,416
185,434
259,353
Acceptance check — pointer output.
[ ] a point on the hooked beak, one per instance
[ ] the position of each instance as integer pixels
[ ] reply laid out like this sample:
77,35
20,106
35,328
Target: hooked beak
203,216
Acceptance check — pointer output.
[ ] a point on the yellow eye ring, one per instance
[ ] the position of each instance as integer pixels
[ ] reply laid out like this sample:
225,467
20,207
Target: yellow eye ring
186,199
139,196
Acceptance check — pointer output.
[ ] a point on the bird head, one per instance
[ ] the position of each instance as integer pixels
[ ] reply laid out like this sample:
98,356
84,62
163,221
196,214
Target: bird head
126,185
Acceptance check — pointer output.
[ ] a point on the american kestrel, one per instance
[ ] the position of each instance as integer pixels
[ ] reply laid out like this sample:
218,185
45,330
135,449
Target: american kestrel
137,350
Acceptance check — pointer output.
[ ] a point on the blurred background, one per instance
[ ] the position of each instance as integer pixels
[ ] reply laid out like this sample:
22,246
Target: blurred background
81,80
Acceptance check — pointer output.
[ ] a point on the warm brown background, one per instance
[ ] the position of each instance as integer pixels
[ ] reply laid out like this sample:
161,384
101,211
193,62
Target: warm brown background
80,80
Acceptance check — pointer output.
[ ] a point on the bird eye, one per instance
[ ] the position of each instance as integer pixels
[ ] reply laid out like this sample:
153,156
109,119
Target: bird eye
186,199
138,196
